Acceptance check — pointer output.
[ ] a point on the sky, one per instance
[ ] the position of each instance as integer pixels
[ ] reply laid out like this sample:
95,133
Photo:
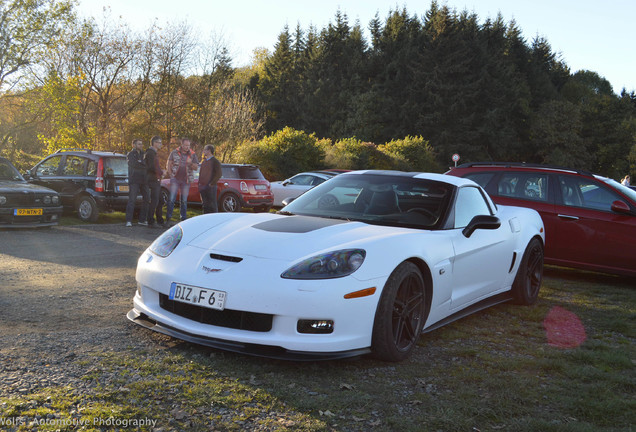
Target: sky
587,34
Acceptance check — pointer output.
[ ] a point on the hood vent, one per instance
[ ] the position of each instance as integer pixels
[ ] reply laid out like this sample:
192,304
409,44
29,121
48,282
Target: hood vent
225,258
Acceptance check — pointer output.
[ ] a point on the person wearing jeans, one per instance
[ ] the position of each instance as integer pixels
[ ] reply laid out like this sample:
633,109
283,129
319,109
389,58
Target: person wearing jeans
182,163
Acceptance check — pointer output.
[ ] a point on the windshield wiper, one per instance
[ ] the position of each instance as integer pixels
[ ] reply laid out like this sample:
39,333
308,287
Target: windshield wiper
285,213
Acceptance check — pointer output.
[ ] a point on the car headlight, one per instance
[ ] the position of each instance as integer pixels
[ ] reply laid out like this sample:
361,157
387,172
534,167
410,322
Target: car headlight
47,199
166,242
328,265
3,199
55,199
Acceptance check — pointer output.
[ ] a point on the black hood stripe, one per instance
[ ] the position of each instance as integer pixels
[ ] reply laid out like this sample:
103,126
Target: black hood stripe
297,224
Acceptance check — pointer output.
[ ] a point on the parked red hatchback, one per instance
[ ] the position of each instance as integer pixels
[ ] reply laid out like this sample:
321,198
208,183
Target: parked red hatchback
590,221
240,186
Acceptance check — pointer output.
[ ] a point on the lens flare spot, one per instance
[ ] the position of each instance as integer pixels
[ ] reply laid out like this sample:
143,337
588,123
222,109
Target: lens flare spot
563,328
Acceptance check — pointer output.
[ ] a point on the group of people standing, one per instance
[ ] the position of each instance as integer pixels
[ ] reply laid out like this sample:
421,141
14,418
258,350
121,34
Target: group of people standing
145,174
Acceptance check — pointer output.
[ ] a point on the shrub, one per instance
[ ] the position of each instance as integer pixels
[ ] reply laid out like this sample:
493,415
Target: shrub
416,152
284,153
353,154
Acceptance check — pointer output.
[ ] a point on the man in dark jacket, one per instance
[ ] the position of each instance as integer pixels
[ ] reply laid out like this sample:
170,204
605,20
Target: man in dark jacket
209,174
154,173
137,183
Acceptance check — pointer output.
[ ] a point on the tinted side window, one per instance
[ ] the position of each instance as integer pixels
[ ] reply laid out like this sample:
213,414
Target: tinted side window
74,166
524,185
49,166
586,193
91,170
303,180
470,203
230,172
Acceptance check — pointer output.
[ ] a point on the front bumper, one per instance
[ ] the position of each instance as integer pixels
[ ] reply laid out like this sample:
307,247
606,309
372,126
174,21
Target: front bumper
270,310
50,216
259,350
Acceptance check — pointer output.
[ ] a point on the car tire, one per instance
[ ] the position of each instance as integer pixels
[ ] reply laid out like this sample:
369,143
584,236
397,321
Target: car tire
86,209
230,203
525,289
400,315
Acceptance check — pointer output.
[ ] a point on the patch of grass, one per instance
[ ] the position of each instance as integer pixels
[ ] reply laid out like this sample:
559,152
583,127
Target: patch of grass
494,370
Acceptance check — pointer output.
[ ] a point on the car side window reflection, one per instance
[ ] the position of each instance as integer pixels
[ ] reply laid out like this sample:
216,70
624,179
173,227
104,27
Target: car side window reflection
470,203
74,166
49,167
301,180
530,186
585,193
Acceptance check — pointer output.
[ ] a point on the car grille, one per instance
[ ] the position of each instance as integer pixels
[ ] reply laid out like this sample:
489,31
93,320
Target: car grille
27,199
226,318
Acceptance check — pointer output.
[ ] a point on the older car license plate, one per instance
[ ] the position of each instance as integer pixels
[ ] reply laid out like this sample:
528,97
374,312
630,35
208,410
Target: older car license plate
27,212
122,188
204,297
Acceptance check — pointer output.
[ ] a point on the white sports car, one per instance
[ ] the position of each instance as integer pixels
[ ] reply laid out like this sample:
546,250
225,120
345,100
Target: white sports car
362,263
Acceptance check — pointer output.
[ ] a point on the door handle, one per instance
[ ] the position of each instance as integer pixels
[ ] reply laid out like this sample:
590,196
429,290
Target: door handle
568,217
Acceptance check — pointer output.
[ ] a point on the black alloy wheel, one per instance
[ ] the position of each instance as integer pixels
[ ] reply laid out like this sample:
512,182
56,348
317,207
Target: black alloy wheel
400,315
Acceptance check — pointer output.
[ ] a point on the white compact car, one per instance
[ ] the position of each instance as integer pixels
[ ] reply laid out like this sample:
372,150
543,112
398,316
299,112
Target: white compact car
298,184
362,263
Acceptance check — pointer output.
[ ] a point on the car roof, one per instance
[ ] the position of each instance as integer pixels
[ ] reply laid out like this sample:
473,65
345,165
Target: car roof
517,165
455,181
239,165
89,151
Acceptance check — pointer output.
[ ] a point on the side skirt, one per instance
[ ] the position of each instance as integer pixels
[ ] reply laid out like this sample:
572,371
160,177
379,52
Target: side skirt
484,304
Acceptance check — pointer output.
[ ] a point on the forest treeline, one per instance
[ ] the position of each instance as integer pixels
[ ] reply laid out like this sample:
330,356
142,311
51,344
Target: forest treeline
418,89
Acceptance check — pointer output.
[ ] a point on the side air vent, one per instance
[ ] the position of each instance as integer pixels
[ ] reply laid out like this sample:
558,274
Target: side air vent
225,258
514,259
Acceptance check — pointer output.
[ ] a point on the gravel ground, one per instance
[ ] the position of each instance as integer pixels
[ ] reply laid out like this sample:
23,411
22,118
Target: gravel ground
55,312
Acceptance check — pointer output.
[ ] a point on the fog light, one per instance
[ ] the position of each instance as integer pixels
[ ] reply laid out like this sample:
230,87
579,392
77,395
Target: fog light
53,218
315,326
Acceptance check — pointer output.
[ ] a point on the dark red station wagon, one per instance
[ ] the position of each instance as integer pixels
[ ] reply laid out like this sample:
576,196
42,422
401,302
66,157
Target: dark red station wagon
590,221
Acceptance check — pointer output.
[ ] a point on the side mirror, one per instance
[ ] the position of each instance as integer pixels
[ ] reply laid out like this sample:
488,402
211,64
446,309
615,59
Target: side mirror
288,200
286,182
481,222
620,207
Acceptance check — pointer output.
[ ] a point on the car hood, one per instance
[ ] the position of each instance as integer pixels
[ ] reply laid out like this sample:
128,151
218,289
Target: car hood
7,186
286,238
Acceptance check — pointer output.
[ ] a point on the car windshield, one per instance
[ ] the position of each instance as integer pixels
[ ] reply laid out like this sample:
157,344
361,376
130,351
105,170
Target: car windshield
393,200
631,193
117,166
9,172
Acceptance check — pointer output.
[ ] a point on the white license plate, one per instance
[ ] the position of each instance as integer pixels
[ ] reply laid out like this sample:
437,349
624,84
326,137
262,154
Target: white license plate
260,187
204,297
